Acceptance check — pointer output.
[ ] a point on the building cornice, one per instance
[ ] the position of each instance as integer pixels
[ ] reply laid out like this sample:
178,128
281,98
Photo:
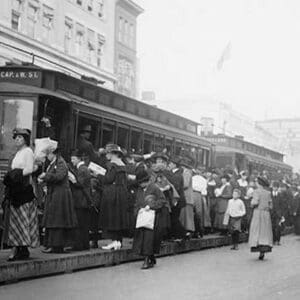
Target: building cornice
132,6
56,54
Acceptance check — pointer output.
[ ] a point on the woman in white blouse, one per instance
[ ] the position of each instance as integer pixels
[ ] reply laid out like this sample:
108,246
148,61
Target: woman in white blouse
23,221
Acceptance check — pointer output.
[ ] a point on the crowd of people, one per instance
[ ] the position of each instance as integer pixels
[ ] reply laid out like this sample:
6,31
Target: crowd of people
151,197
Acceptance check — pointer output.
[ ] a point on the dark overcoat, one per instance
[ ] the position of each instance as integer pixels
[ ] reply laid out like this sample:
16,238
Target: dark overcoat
59,206
81,189
114,204
176,179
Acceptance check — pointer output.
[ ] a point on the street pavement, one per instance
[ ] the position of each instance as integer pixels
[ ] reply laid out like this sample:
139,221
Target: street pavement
218,273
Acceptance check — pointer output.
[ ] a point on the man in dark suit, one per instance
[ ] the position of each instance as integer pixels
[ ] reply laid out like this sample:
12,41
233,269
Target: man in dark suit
277,212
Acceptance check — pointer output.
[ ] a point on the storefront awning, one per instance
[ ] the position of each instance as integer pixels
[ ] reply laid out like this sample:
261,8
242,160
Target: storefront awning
15,88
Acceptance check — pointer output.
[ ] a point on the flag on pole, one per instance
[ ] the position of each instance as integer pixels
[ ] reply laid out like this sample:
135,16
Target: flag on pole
226,55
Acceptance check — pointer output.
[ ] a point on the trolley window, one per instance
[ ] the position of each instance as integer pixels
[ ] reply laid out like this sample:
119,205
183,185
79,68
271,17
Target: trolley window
14,113
148,142
136,140
108,132
123,136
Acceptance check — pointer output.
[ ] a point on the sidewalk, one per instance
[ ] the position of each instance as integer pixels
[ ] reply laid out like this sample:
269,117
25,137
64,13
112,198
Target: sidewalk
41,264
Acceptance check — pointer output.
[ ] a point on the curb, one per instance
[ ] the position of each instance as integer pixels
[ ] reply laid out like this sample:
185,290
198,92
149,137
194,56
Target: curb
68,263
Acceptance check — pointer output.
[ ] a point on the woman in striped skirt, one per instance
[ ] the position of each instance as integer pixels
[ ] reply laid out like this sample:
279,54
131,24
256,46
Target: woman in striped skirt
23,222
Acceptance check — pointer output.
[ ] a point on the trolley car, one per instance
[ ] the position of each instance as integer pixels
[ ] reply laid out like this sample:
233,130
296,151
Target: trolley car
242,155
28,93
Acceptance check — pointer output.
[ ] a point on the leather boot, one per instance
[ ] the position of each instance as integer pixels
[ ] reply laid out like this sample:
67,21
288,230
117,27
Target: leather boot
146,264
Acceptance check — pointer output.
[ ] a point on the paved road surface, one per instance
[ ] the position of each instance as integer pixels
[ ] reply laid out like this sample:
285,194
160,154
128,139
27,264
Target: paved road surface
210,274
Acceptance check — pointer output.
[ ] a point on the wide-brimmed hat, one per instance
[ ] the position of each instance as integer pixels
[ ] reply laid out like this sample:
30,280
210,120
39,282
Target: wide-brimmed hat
161,155
113,148
142,176
263,181
21,131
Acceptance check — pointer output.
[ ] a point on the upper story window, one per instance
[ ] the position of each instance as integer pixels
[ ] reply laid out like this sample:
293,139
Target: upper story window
100,8
120,33
32,17
91,46
79,2
15,20
47,23
131,36
126,32
100,45
68,35
79,40
90,5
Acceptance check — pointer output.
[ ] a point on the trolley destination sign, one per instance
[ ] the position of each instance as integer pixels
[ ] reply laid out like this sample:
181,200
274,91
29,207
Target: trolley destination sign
21,76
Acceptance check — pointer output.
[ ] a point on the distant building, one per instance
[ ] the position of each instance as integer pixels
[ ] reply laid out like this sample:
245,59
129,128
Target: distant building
125,46
287,132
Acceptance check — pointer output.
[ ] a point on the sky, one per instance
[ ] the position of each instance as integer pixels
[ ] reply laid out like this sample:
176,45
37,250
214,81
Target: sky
182,43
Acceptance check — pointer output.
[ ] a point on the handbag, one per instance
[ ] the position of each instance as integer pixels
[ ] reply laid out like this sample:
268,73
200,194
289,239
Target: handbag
145,219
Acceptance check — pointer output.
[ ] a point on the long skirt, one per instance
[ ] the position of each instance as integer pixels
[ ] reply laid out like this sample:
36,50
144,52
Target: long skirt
146,241
23,225
177,229
59,237
202,210
81,233
220,212
187,217
260,235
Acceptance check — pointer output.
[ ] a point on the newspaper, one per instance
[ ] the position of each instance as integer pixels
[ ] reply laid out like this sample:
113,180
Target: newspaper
96,169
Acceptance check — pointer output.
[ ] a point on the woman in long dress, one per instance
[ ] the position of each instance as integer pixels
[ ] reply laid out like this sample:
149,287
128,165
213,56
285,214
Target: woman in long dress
23,221
59,217
261,236
114,205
